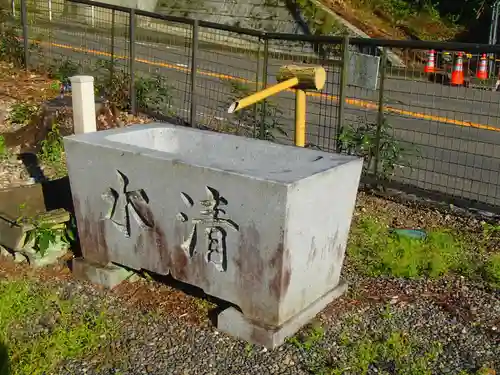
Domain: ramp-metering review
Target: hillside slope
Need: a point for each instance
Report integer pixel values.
(466, 20)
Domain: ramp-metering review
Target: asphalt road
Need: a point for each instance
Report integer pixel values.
(453, 129)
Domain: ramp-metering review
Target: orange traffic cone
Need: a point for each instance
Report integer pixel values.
(457, 76)
(482, 72)
(430, 67)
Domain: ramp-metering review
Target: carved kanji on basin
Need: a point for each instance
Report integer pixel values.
(124, 203)
(214, 228)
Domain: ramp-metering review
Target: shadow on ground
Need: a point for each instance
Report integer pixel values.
(4, 360)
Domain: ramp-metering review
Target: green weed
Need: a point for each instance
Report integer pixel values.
(52, 150)
(11, 48)
(3, 148)
(41, 330)
(394, 352)
(361, 140)
(46, 235)
(112, 83)
(492, 269)
(375, 251)
(154, 95)
(63, 69)
(22, 113)
(307, 340)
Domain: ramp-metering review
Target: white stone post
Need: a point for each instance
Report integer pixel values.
(82, 88)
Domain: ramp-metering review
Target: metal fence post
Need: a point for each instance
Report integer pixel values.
(194, 65)
(262, 133)
(256, 106)
(380, 115)
(24, 21)
(342, 90)
(133, 98)
(112, 67)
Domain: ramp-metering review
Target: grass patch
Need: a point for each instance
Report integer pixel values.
(393, 352)
(362, 352)
(374, 250)
(378, 345)
(492, 270)
(41, 329)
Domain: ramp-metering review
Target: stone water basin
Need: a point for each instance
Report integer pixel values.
(261, 225)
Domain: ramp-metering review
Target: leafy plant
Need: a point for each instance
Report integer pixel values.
(154, 94)
(22, 113)
(362, 141)
(111, 83)
(249, 121)
(47, 235)
(11, 48)
(62, 70)
(52, 147)
(49, 231)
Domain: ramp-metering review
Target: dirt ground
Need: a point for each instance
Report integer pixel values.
(40, 94)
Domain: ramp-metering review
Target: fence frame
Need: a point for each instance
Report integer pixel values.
(263, 55)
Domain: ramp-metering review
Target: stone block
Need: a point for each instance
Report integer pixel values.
(261, 225)
(108, 275)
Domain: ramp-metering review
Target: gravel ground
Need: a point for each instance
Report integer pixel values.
(164, 331)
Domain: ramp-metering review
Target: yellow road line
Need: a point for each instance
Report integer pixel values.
(355, 102)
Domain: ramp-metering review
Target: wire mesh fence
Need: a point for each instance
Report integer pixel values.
(415, 124)
(441, 129)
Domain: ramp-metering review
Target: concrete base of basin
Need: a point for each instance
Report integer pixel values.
(233, 322)
(108, 276)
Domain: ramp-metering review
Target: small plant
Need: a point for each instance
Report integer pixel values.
(362, 141)
(112, 84)
(51, 151)
(492, 269)
(491, 230)
(22, 113)
(309, 338)
(54, 228)
(62, 70)
(308, 343)
(52, 147)
(3, 148)
(263, 116)
(11, 48)
(47, 235)
(376, 352)
(154, 94)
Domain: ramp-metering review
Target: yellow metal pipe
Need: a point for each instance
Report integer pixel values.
(300, 118)
(262, 94)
